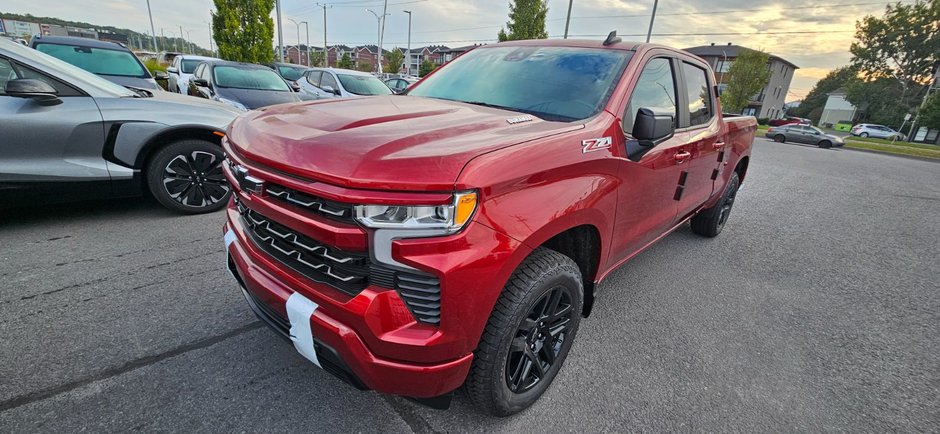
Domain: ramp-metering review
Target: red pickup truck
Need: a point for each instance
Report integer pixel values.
(456, 235)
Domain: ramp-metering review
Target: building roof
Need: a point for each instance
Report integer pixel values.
(728, 50)
(372, 49)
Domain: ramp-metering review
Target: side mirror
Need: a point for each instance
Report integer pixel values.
(40, 91)
(295, 86)
(200, 82)
(329, 89)
(172, 70)
(160, 75)
(650, 129)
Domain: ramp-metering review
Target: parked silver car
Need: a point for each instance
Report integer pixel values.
(876, 131)
(803, 134)
(342, 83)
(67, 134)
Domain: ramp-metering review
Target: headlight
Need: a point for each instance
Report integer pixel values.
(446, 218)
(235, 104)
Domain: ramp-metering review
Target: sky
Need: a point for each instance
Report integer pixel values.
(824, 30)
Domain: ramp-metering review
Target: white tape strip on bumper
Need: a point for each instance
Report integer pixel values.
(229, 239)
(299, 311)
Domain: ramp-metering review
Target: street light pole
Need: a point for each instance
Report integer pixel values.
(153, 31)
(298, 38)
(280, 32)
(382, 34)
(652, 18)
(408, 52)
(378, 57)
(326, 51)
(568, 20)
(307, 28)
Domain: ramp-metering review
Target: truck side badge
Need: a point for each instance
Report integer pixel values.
(519, 119)
(591, 145)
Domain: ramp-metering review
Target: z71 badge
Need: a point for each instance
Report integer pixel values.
(591, 145)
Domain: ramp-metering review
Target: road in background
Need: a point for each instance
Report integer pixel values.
(816, 309)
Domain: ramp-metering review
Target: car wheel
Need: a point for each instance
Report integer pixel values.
(187, 177)
(863, 135)
(779, 138)
(528, 335)
(825, 144)
(709, 222)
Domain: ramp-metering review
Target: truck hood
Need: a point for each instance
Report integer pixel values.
(385, 142)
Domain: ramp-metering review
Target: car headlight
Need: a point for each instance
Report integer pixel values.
(235, 104)
(445, 218)
(393, 222)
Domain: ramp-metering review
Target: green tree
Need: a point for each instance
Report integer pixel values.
(929, 114)
(316, 58)
(395, 58)
(903, 46)
(877, 100)
(243, 30)
(426, 67)
(526, 21)
(345, 62)
(816, 98)
(746, 77)
(365, 67)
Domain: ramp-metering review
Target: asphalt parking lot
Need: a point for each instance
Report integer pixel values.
(818, 309)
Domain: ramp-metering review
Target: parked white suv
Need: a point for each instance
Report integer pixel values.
(340, 83)
(181, 70)
(876, 131)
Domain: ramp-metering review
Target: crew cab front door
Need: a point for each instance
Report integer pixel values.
(703, 130)
(649, 175)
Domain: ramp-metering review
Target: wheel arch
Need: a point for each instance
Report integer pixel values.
(741, 167)
(170, 135)
(583, 245)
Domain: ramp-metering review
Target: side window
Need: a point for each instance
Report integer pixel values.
(6, 74)
(697, 89)
(328, 80)
(314, 78)
(655, 90)
(200, 70)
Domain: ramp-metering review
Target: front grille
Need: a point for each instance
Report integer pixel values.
(319, 206)
(345, 271)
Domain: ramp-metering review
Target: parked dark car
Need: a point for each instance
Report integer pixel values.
(400, 84)
(245, 86)
(804, 134)
(110, 60)
(67, 134)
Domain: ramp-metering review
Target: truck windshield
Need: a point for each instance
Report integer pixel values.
(552, 83)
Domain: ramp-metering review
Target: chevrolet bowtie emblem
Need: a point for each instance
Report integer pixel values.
(247, 182)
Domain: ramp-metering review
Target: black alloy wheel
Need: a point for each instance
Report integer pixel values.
(538, 340)
(187, 177)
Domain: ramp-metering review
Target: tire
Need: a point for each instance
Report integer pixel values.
(825, 144)
(863, 135)
(186, 177)
(519, 334)
(709, 222)
(779, 138)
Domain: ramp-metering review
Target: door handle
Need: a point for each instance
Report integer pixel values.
(718, 145)
(682, 156)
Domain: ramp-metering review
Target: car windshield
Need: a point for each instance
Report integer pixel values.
(97, 60)
(189, 65)
(291, 73)
(553, 83)
(363, 85)
(249, 78)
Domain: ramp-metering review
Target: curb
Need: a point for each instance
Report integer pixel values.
(909, 157)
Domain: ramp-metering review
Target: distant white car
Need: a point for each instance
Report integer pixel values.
(181, 70)
(340, 83)
(876, 131)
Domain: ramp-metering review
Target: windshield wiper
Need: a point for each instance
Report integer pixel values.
(140, 93)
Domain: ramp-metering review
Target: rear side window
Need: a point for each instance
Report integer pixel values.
(314, 78)
(700, 101)
(655, 90)
(328, 80)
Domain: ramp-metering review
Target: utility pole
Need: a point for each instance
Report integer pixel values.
(211, 50)
(408, 52)
(326, 51)
(182, 36)
(298, 38)
(378, 57)
(163, 39)
(652, 18)
(568, 20)
(153, 31)
(280, 32)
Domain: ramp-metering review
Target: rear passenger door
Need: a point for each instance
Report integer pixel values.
(698, 120)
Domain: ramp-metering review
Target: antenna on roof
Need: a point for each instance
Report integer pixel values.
(612, 39)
